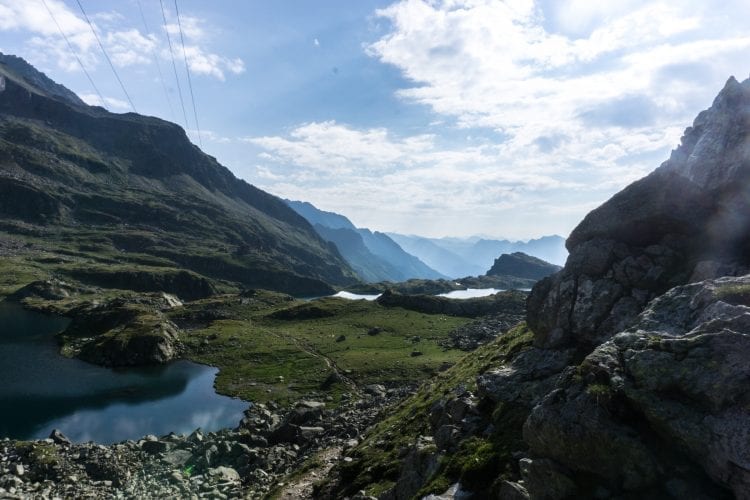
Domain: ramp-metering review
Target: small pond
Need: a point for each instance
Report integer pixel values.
(43, 390)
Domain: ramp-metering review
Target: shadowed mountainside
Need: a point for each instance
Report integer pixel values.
(132, 191)
(373, 255)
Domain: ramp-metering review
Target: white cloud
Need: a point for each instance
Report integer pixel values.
(109, 102)
(199, 60)
(582, 92)
(210, 135)
(328, 146)
(203, 63)
(316, 42)
(493, 64)
(130, 47)
(126, 45)
(374, 176)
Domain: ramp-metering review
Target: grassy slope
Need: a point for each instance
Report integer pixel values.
(378, 459)
(253, 347)
(81, 179)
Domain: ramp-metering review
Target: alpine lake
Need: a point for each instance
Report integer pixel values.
(42, 390)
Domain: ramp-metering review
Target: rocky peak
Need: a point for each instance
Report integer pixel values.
(686, 221)
(17, 69)
(714, 150)
(521, 265)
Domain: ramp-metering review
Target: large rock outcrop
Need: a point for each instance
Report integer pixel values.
(634, 383)
(688, 220)
(123, 331)
(662, 407)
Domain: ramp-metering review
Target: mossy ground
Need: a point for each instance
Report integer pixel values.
(262, 357)
(70, 254)
(378, 459)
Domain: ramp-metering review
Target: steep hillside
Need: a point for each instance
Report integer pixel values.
(381, 259)
(383, 246)
(631, 381)
(521, 265)
(316, 216)
(108, 192)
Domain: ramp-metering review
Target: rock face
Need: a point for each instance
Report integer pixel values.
(522, 265)
(659, 404)
(124, 331)
(51, 289)
(663, 404)
(689, 220)
(482, 330)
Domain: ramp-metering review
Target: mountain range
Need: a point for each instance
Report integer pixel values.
(126, 199)
(459, 257)
(372, 254)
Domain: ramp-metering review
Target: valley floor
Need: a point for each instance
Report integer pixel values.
(318, 373)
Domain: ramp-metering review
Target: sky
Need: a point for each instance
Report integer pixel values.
(439, 118)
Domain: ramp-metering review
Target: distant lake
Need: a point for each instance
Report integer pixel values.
(355, 296)
(42, 390)
(471, 293)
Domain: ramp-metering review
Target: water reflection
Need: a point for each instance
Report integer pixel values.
(87, 402)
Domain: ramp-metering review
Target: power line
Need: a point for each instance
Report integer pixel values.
(174, 66)
(187, 70)
(72, 50)
(106, 56)
(156, 60)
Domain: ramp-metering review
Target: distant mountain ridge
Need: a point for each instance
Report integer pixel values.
(129, 194)
(458, 257)
(374, 255)
(315, 215)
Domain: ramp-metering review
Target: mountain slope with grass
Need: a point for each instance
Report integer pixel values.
(85, 193)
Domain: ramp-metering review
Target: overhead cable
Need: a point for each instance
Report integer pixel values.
(156, 60)
(72, 50)
(187, 70)
(112, 66)
(174, 66)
